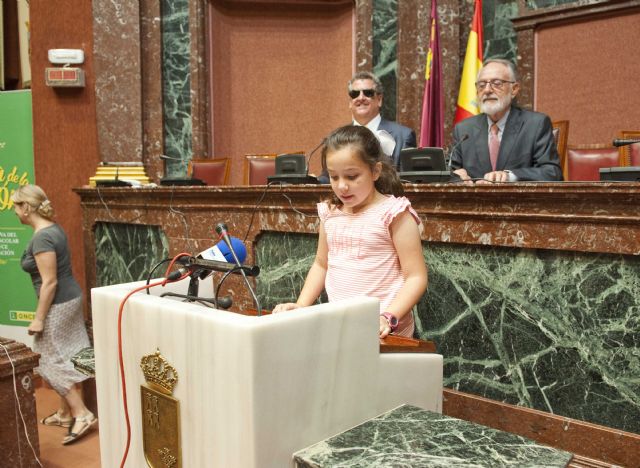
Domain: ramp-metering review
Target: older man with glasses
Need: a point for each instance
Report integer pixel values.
(504, 143)
(366, 93)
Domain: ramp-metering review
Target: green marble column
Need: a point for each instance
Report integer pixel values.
(176, 85)
(385, 57)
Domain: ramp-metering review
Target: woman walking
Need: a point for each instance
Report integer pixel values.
(58, 325)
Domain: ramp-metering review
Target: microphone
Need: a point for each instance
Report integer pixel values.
(222, 253)
(200, 265)
(624, 142)
(311, 154)
(165, 157)
(221, 229)
(464, 138)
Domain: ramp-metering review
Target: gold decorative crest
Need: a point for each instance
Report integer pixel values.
(159, 373)
(160, 413)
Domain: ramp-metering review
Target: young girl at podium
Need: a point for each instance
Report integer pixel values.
(369, 238)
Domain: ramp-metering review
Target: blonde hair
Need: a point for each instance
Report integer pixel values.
(35, 197)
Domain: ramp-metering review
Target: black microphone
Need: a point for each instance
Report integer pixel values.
(221, 229)
(464, 137)
(624, 142)
(197, 265)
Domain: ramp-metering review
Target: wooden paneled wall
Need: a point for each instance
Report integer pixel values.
(279, 77)
(592, 80)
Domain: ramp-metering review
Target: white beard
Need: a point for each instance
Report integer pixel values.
(495, 107)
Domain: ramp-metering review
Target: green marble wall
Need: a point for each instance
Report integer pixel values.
(555, 331)
(284, 260)
(127, 252)
(550, 330)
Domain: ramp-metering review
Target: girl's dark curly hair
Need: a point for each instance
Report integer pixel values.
(367, 146)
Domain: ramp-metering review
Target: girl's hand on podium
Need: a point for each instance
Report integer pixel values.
(285, 306)
(385, 328)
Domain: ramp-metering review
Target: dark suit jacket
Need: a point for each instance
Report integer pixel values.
(404, 136)
(527, 147)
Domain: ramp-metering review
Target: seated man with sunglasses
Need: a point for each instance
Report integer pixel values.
(365, 91)
(504, 143)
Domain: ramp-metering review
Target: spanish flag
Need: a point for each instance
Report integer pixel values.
(467, 97)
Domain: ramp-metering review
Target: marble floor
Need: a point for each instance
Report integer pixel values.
(84, 453)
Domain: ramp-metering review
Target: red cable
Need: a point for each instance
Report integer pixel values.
(120, 358)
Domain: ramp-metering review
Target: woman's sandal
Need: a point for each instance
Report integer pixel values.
(54, 419)
(87, 421)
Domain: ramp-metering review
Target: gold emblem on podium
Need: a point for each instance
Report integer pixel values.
(160, 413)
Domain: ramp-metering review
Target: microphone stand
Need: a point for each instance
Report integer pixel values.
(218, 304)
(453, 148)
(192, 292)
(221, 229)
(311, 154)
(194, 284)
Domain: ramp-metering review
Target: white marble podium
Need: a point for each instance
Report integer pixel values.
(252, 390)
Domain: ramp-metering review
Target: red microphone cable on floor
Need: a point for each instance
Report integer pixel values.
(120, 358)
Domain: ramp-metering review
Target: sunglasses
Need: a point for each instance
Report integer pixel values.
(354, 93)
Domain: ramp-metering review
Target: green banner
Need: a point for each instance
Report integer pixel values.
(18, 299)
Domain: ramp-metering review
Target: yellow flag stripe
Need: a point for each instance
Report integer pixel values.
(467, 98)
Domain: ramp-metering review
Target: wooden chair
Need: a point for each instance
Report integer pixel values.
(257, 167)
(210, 171)
(583, 161)
(630, 154)
(561, 135)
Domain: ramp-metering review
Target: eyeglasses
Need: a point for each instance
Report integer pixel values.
(354, 93)
(494, 84)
